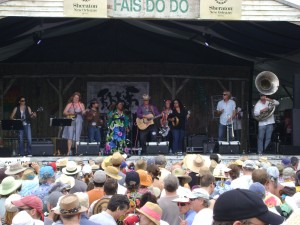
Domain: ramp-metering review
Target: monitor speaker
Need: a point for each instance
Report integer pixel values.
(42, 149)
(85, 148)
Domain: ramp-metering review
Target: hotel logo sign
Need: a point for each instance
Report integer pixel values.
(85, 8)
(221, 9)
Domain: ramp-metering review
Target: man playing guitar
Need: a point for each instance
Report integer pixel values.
(146, 113)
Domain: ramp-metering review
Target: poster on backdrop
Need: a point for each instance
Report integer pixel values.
(108, 93)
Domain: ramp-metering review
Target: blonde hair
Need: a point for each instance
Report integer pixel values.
(8, 217)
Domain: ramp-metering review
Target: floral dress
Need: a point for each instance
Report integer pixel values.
(116, 135)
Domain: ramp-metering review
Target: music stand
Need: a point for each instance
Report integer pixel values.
(60, 122)
(12, 125)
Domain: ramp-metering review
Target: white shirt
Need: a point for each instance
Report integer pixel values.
(258, 107)
(228, 107)
(181, 191)
(203, 217)
(103, 218)
(121, 189)
(243, 182)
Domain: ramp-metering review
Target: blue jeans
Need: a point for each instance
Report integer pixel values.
(94, 134)
(223, 132)
(26, 131)
(178, 137)
(264, 132)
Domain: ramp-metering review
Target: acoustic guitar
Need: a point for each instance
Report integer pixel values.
(144, 122)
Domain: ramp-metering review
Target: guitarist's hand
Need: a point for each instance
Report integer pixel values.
(33, 115)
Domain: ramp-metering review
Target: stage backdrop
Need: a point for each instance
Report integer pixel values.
(110, 92)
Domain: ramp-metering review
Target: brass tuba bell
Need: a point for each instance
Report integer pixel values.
(266, 83)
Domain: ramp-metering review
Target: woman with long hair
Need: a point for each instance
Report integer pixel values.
(75, 111)
(117, 127)
(178, 118)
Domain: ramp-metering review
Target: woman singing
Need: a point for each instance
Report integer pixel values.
(178, 118)
(74, 110)
(117, 128)
(24, 113)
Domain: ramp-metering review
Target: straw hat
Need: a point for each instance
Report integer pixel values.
(69, 205)
(146, 97)
(9, 185)
(220, 170)
(28, 174)
(62, 162)
(95, 167)
(112, 172)
(116, 159)
(178, 172)
(66, 180)
(238, 162)
(145, 178)
(106, 162)
(71, 168)
(152, 211)
(194, 162)
(14, 168)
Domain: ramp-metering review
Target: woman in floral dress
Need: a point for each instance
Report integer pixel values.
(117, 128)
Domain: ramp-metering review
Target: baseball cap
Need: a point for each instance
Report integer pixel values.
(46, 172)
(31, 201)
(286, 161)
(258, 189)
(132, 178)
(273, 172)
(249, 164)
(199, 193)
(240, 204)
(99, 176)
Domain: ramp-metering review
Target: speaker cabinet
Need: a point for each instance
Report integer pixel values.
(42, 149)
(86, 148)
(61, 146)
(209, 147)
(289, 150)
(197, 140)
(229, 148)
(154, 148)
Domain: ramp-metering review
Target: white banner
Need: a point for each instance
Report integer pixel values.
(108, 93)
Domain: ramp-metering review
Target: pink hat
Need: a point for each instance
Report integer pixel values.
(31, 201)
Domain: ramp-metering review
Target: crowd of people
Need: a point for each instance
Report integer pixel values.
(199, 190)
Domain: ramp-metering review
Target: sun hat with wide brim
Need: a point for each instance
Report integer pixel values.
(66, 180)
(194, 162)
(106, 162)
(69, 205)
(72, 168)
(180, 173)
(112, 172)
(14, 168)
(9, 185)
(152, 211)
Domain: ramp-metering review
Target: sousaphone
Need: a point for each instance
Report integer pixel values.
(266, 83)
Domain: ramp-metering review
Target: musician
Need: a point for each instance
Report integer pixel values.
(74, 110)
(147, 111)
(178, 117)
(265, 126)
(164, 122)
(118, 126)
(24, 113)
(226, 110)
(94, 121)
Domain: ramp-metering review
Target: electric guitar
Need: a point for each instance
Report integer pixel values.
(144, 122)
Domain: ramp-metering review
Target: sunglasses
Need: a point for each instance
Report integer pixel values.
(23, 100)
(21, 209)
(225, 94)
(181, 204)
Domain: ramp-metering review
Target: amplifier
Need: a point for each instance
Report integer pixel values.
(61, 146)
(232, 147)
(191, 150)
(197, 140)
(157, 147)
(42, 149)
(86, 148)
(209, 147)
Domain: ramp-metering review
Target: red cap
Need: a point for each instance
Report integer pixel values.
(32, 202)
(53, 165)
